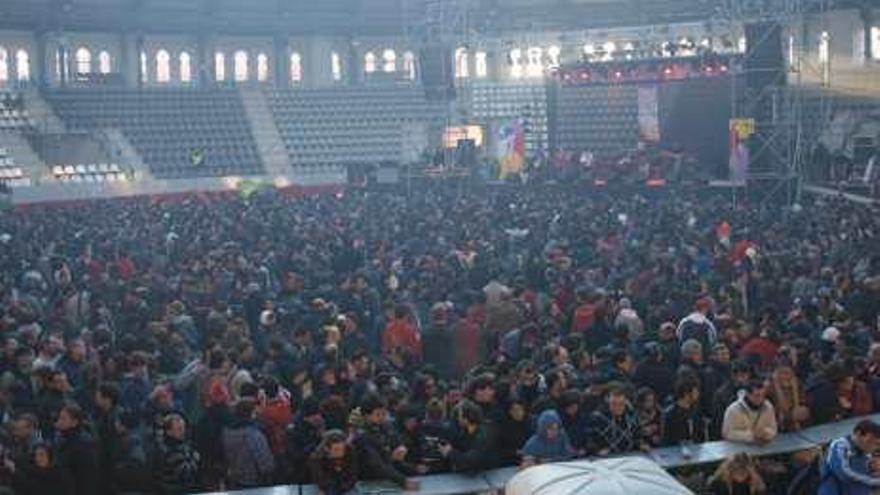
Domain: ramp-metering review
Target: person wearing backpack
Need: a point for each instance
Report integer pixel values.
(850, 467)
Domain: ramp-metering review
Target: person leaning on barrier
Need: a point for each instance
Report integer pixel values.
(751, 418)
(851, 466)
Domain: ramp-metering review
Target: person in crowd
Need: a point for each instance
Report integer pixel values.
(178, 463)
(76, 450)
(302, 439)
(650, 417)
(246, 451)
(737, 476)
(615, 428)
(475, 446)
(850, 466)
(788, 398)
(517, 427)
(698, 326)
(196, 305)
(380, 451)
(549, 443)
(740, 377)
(40, 475)
(751, 418)
(333, 466)
(683, 421)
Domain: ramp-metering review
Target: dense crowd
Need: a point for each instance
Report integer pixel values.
(217, 342)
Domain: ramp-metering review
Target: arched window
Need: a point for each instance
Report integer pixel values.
(262, 67)
(296, 69)
(370, 62)
(83, 60)
(185, 67)
(535, 66)
(336, 66)
(553, 56)
(4, 65)
(240, 66)
(481, 64)
(516, 63)
(104, 65)
(163, 66)
(23, 64)
(825, 57)
(461, 63)
(389, 58)
(219, 66)
(409, 65)
(145, 74)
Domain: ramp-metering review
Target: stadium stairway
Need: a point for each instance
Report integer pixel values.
(24, 156)
(42, 114)
(269, 144)
(121, 150)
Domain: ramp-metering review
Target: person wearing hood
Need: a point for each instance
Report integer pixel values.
(751, 418)
(628, 317)
(302, 439)
(549, 443)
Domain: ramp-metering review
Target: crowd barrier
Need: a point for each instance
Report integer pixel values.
(668, 457)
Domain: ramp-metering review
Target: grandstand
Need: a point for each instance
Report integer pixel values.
(443, 247)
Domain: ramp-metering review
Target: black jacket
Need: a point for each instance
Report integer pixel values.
(31, 480)
(683, 425)
(477, 452)
(77, 453)
(374, 446)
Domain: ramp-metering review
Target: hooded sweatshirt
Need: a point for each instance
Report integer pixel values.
(543, 448)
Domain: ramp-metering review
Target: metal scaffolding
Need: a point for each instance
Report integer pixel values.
(784, 106)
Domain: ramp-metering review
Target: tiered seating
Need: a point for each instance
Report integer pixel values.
(93, 172)
(13, 115)
(602, 119)
(341, 126)
(169, 126)
(10, 173)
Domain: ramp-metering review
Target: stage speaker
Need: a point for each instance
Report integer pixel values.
(764, 63)
(437, 72)
(466, 153)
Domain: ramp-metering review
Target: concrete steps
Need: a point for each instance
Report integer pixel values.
(273, 153)
(25, 157)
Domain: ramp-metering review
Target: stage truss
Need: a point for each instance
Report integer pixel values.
(783, 110)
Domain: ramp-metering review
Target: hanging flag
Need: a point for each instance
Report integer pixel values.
(511, 148)
(740, 132)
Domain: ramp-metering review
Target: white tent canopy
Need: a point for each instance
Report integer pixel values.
(620, 476)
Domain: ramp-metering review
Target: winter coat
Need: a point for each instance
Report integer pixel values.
(334, 477)
(77, 453)
(618, 435)
(544, 449)
(248, 458)
(477, 452)
(178, 466)
(31, 480)
(683, 425)
(741, 421)
(696, 326)
(374, 445)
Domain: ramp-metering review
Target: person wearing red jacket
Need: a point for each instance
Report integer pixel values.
(402, 333)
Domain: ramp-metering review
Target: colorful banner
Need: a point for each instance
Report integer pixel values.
(649, 114)
(511, 148)
(740, 132)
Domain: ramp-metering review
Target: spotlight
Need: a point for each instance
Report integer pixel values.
(723, 68)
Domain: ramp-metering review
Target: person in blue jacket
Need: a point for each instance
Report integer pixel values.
(849, 468)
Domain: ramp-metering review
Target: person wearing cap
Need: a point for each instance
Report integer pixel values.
(849, 467)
